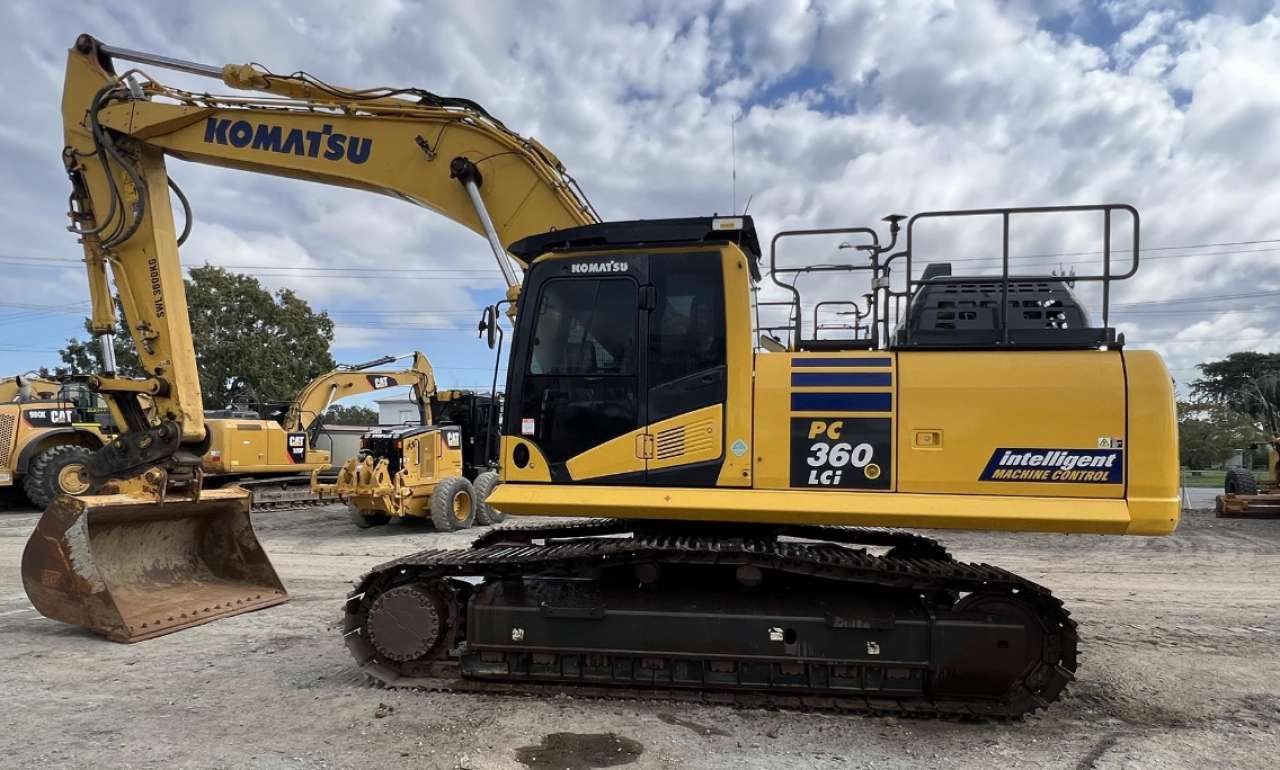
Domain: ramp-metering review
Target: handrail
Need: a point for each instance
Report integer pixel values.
(775, 271)
(1006, 215)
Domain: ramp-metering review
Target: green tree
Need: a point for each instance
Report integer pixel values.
(1248, 383)
(246, 339)
(350, 415)
(1209, 433)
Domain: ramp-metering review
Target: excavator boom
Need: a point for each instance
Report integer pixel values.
(345, 382)
(93, 561)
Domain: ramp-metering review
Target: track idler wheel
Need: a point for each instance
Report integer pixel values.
(402, 630)
(405, 623)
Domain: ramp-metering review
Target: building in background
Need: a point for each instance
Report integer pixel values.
(342, 441)
(400, 410)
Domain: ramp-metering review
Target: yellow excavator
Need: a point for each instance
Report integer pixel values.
(739, 495)
(271, 449)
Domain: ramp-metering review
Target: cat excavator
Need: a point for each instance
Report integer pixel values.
(271, 449)
(740, 501)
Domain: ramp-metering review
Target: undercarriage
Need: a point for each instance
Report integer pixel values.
(788, 616)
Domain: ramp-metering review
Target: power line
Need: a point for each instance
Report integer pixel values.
(25, 349)
(1219, 311)
(1198, 298)
(1122, 253)
(37, 261)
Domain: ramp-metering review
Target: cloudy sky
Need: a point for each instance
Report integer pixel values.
(837, 113)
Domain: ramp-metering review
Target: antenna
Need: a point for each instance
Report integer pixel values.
(733, 163)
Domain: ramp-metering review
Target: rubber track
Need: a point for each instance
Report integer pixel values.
(829, 561)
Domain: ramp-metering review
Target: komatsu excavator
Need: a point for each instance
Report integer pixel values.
(738, 496)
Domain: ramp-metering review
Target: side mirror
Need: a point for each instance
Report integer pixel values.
(488, 327)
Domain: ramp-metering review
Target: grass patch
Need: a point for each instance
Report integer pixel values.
(1208, 478)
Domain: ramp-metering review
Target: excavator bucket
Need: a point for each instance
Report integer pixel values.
(132, 569)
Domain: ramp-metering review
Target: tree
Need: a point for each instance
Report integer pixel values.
(246, 339)
(1248, 383)
(350, 415)
(1208, 433)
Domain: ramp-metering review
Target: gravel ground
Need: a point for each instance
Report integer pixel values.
(1179, 669)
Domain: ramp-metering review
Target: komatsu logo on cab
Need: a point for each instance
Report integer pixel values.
(1056, 466)
(612, 266)
(325, 143)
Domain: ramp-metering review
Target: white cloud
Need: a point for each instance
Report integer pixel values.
(849, 110)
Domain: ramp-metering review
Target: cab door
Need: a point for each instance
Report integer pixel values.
(685, 373)
(580, 398)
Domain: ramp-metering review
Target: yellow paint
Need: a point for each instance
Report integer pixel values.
(693, 437)
(702, 442)
(1152, 446)
(985, 400)
(736, 470)
(615, 456)
(526, 192)
(537, 470)
(871, 509)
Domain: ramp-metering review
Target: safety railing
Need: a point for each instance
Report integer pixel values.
(899, 303)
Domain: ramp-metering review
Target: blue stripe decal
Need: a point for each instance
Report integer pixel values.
(841, 402)
(886, 362)
(839, 379)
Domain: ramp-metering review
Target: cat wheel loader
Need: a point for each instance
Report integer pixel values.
(741, 506)
(48, 429)
(442, 472)
(271, 449)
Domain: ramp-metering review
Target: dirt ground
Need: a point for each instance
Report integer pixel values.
(1179, 669)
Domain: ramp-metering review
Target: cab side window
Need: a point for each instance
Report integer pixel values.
(686, 350)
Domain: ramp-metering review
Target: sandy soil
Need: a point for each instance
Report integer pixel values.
(1180, 669)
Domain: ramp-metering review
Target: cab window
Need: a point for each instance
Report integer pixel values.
(586, 327)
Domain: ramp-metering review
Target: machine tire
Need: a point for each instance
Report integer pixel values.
(49, 471)
(366, 520)
(453, 504)
(484, 484)
(1240, 481)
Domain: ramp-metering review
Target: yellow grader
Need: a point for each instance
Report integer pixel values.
(442, 472)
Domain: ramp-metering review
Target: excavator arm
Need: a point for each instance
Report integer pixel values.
(345, 382)
(447, 155)
(160, 554)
